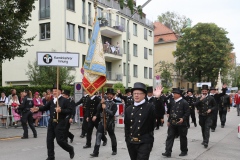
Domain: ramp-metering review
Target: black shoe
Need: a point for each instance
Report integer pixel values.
(104, 143)
(222, 126)
(86, 146)
(114, 153)
(50, 159)
(205, 145)
(183, 154)
(166, 154)
(82, 136)
(157, 128)
(195, 124)
(94, 155)
(24, 137)
(213, 130)
(72, 154)
(34, 136)
(71, 140)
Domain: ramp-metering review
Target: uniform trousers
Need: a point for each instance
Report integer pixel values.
(84, 125)
(100, 132)
(173, 130)
(91, 125)
(223, 115)
(205, 122)
(214, 119)
(59, 131)
(139, 151)
(27, 118)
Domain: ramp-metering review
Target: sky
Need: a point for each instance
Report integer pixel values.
(224, 13)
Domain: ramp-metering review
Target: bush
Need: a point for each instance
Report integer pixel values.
(33, 89)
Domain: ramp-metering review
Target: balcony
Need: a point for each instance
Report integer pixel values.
(90, 21)
(111, 28)
(113, 76)
(112, 53)
(84, 19)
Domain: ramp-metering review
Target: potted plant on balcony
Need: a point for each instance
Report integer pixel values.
(104, 21)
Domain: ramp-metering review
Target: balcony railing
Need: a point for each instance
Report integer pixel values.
(111, 23)
(113, 76)
(112, 49)
(126, 11)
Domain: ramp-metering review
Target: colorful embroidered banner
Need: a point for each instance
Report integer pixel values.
(94, 66)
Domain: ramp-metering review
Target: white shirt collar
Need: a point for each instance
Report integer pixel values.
(85, 95)
(211, 94)
(177, 100)
(55, 99)
(139, 103)
(149, 97)
(93, 97)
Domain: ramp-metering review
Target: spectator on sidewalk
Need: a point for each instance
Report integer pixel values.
(37, 101)
(14, 103)
(237, 101)
(3, 108)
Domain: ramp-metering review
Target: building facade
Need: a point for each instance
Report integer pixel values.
(165, 43)
(66, 26)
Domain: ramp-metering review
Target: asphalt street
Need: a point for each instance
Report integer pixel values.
(224, 144)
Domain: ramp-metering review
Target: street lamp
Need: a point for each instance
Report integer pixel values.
(127, 38)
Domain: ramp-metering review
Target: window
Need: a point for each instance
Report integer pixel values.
(81, 34)
(123, 23)
(99, 12)
(89, 35)
(71, 4)
(150, 73)
(124, 69)
(150, 33)
(83, 59)
(145, 33)
(145, 53)
(117, 20)
(135, 70)
(134, 29)
(145, 72)
(135, 50)
(45, 31)
(89, 14)
(84, 17)
(150, 52)
(124, 46)
(44, 9)
(70, 31)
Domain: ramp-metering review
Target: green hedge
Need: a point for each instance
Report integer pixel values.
(34, 89)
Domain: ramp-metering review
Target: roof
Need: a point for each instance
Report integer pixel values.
(163, 34)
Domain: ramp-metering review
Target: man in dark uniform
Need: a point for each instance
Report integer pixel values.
(158, 104)
(25, 107)
(83, 101)
(191, 99)
(110, 108)
(216, 97)
(139, 123)
(177, 123)
(66, 94)
(169, 99)
(59, 108)
(128, 99)
(224, 107)
(93, 120)
(205, 107)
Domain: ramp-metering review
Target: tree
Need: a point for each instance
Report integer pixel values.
(202, 51)
(174, 21)
(235, 76)
(130, 4)
(47, 75)
(14, 17)
(119, 86)
(0, 74)
(166, 71)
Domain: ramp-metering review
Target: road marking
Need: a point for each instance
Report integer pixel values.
(9, 138)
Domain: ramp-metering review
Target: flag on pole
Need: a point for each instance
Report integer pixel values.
(94, 65)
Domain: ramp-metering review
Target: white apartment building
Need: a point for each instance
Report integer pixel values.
(66, 26)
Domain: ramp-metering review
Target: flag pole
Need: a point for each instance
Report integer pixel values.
(57, 89)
